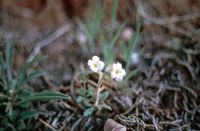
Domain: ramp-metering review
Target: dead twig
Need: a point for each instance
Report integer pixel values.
(155, 124)
(138, 102)
(61, 31)
(168, 22)
(47, 125)
(73, 128)
(173, 123)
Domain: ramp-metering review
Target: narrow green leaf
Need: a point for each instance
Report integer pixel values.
(35, 74)
(29, 114)
(135, 35)
(86, 31)
(45, 96)
(133, 42)
(3, 96)
(22, 72)
(12, 84)
(37, 59)
(117, 35)
(124, 50)
(11, 126)
(115, 4)
(1, 65)
(21, 125)
(13, 115)
(27, 65)
(2, 84)
(9, 57)
(3, 80)
(23, 80)
(132, 74)
(26, 93)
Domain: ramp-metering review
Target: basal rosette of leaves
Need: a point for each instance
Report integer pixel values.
(16, 95)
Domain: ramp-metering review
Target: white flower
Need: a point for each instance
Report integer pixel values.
(117, 72)
(95, 64)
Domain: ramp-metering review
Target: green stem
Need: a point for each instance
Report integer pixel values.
(99, 88)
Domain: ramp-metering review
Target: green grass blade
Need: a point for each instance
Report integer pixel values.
(9, 58)
(132, 74)
(34, 75)
(2, 66)
(135, 35)
(125, 50)
(115, 4)
(133, 42)
(27, 65)
(86, 31)
(117, 35)
(29, 114)
(22, 72)
(45, 96)
(23, 79)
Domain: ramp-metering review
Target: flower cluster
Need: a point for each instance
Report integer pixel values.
(117, 72)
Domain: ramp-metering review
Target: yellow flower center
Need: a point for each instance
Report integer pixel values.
(117, 71)
(95, 65)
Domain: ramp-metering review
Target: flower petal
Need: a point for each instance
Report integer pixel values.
(119, 65)
(119, 78)
(123, 72)
(95, 58)
(101, 65)
(90, 63)
(114, 67)
(113, 74)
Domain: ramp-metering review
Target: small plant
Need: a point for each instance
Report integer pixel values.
(104, 40)
(87, 96)
(16, 95)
